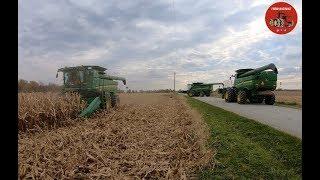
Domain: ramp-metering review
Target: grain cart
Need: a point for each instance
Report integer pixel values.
(254, 85)
(200, 89)
(94, 86)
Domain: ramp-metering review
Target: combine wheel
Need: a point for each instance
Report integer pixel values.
(256, 100)
(106, 103)
(242, 97)
(229, 95)
(270, 100)
(114, 100)
(118, 101)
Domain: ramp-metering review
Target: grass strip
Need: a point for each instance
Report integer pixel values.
(247, 149)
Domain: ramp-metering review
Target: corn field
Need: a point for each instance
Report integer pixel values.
(39, 110)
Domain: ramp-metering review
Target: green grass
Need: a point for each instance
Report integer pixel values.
(247, 149)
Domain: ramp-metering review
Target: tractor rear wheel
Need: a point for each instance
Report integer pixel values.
(270, 100)
(242, 97)
(230, 95)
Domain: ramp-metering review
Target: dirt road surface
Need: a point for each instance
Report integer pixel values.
(288, 120)
(149, 136)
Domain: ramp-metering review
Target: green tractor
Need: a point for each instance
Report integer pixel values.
(201, 89)
(256, 85)
(94, 86)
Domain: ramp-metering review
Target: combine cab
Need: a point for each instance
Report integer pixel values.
(95, 87)
(256, 85)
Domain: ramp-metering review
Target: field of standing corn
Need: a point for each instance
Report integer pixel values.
(37, 111)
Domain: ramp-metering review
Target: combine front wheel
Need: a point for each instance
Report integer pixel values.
(256, 100)
(229, 95)
(114, 100)
(270, 100)
(190, 94)
(242, 97)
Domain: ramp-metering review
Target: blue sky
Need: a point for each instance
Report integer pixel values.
(146, 41)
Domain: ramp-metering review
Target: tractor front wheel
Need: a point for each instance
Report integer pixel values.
(270, 100)
(242, 97)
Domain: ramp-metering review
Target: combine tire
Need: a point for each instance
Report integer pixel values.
(229, 95)
(106, 103)
(270, 100)
(114, 100)
(190, 94)
(242, 97)
(256, 100)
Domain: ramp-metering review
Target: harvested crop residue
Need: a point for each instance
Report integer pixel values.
(160, 139)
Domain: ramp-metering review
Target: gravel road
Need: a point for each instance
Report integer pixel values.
(288, 120)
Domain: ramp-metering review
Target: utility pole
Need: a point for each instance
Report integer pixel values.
(174, 81)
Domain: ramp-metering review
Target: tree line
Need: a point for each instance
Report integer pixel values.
(34, 86)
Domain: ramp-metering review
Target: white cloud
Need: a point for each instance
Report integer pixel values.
(142, 41)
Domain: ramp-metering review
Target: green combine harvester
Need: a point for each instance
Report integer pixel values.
(94, 86)
(201, 89)
(254, 85)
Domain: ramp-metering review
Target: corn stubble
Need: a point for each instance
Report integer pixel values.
(39, 111)
(163, 140)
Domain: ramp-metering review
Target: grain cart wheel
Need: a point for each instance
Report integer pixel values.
(229, 95)
(242, 97)
(270, 100)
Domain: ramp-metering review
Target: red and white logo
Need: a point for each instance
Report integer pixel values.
(281, 18)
